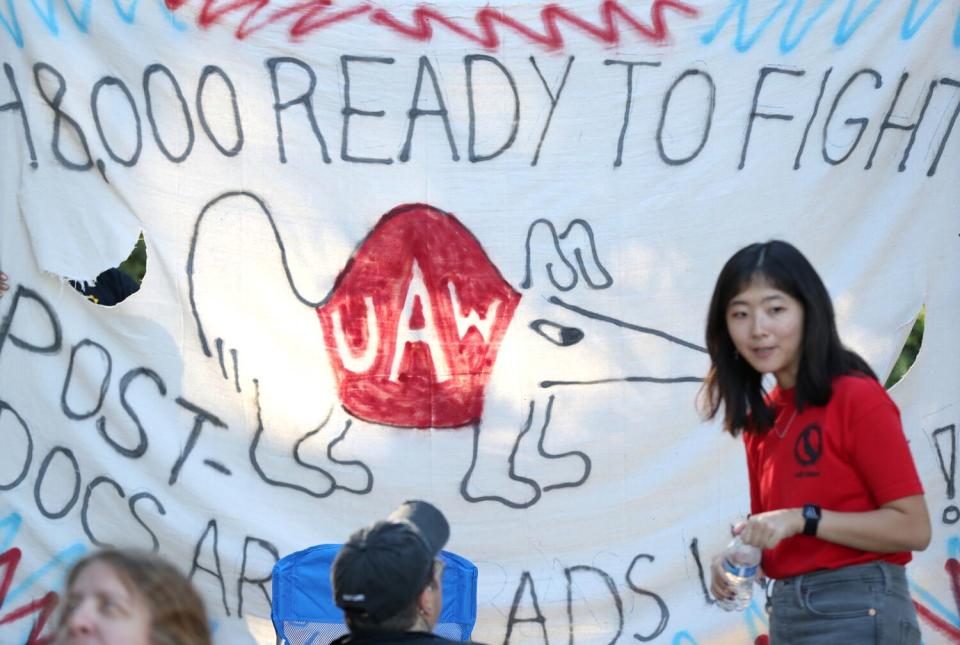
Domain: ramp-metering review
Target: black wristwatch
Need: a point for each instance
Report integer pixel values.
(811, 519)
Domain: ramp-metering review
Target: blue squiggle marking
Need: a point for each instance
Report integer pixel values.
(172, 19)
(785, 44)
(738, 10)
(83, 20)
(12, 26)
(62, 561)
(843, 32)
(11, 526)
(740, 43)
(9, 529)
(956, 32)
(80, 13)
(752, 616)
(953, 547)
(932, 600)
(66, 557)
(49, 18)
(683, 637)
(910, 27)
(128, 14)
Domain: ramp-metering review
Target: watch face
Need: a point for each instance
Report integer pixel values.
(811, 512)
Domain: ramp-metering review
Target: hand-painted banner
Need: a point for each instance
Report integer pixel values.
(459, 252)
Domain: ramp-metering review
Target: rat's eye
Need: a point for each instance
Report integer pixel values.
(557, 334)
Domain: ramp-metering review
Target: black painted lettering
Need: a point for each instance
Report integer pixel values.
(861, 121)
(200, 417)
(261, 581)
(469, 62)
(350, 111)
(125, 381)
(887, 124)
(7, 442)
(755, 112)
(946, 135)
(59, 117)
(106, 362)
(611, 586)
(160, 509)
(17, 104)
(42, 476)
(148, 74)
(913, 131)
(711, 106)
(695, 552)
(661, 605)
(331, 484)
(217, 571)
(416, 111)
(305, 99)
(554, 99)
(85, 508)
(629, 103)
(53, 346)
(111, 81)
(208, 71)
(813, 115)
(538, 617)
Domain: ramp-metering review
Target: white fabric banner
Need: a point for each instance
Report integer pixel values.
(459, 252)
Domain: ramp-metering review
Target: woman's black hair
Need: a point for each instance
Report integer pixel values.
(731, 381)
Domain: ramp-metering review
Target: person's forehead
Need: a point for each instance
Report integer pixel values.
(100, 577)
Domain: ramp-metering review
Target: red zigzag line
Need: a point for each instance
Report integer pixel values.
(487, 19)
(10, 559)
(209, 15)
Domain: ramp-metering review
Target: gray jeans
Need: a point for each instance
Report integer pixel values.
(860, 604)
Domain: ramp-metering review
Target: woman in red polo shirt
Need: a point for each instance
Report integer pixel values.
(836, 503)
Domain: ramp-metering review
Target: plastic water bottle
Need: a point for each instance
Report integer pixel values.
(741, 562)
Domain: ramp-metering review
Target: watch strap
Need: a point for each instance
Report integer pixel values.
(811, 519)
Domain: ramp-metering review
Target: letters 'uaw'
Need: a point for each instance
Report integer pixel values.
(415, 320)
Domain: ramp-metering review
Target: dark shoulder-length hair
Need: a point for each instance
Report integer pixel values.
(731, 381)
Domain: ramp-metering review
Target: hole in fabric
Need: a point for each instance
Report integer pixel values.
(909, 352)
(116, 284)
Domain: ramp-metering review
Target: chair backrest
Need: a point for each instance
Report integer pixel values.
(304, 613)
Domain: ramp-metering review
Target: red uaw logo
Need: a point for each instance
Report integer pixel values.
(415, 320)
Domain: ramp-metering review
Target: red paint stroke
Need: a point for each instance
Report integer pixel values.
(487, 19)
(937, 622)
(307, 12)
(763, 639)
(314, 15)
(415, 321)
(952, 567)
(9, 560)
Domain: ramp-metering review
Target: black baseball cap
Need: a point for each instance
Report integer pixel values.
(383, 568)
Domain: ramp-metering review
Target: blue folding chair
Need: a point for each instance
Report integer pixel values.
(304, 613)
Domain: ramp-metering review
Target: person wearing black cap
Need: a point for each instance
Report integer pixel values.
(386, 578)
